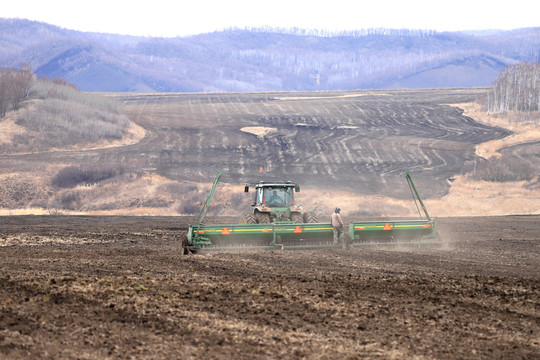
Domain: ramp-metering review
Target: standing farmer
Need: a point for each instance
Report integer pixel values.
(337, 224)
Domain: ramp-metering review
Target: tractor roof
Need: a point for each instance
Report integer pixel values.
(275, 184)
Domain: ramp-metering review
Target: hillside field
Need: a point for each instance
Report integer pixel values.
(349, 149)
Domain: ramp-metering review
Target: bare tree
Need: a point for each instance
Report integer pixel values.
(516, 88)
(15, 87)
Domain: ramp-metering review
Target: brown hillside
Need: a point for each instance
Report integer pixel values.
(346, 148)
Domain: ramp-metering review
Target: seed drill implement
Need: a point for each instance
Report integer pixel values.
(277, 222)
(416, 231)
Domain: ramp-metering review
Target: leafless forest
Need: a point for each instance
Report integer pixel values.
(14, 87)
(517, 88)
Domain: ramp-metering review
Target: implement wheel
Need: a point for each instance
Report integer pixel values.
(345, 241)
(185, 244)
(310, 218)
(248, 218)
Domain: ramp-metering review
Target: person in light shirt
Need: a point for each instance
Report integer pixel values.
(337, 224)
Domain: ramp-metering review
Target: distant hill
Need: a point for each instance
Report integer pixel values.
(265, 59)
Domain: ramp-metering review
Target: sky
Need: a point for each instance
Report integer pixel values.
(162, 18)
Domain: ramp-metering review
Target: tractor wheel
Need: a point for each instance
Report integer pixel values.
(297, 218)
(248, 218)
(262, 218)
(310, 218)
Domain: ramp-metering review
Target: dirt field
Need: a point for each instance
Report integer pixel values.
(118, 288)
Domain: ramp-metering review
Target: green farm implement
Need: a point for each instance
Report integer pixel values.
(288, 227)
(418, 231)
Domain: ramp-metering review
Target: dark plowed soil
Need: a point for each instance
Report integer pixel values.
(118, 287)
(355, 141)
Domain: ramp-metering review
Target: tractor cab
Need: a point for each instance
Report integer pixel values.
(274, 195)
(274, 202)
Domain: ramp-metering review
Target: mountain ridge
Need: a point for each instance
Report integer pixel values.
(240, 60)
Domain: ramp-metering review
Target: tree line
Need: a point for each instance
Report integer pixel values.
(336, 33)
(517, 88)
(15, 87)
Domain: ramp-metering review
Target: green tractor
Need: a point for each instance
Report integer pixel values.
(274, 202)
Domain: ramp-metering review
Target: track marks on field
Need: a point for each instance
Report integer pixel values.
(350, 140)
